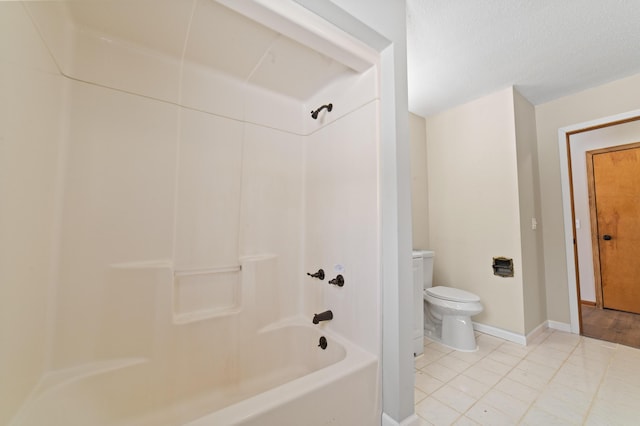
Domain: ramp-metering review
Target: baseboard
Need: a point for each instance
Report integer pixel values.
(537, 331)
(587, 302)
(499, 332)
(560, 326)
(519, 338)
(412, 420)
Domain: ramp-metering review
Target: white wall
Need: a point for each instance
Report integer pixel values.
(389, 20)
(138, 167)
(419, 182)
(32, 106)
(118, 204)
(474, 204)
(341, 225)
(610, 99)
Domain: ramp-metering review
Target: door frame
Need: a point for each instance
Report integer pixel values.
(593, 215)
(571, 254)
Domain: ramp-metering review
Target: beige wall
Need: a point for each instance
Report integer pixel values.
(613, 98)
(474, 204)
(545, 288)
(534, 302)
(31, 95)
(419, 183)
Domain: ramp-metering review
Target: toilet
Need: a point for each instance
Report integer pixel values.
(422, 276)
(447, 314)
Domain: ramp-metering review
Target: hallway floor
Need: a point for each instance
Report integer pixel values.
(612, 326)
(558, 379)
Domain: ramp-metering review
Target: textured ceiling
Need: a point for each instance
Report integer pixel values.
(460, 50)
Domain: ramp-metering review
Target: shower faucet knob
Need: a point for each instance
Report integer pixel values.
(319, 275)
(339, 281)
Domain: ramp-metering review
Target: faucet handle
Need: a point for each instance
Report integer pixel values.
(339, 281)
(319, 274)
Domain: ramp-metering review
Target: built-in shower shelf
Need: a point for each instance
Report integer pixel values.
(205, 293)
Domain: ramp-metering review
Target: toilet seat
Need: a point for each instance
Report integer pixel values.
(452, 294)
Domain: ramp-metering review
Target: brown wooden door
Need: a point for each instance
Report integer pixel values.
(617, 196)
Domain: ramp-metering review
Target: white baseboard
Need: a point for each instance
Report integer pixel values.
(498, 332)
(519, 338)
(412, 420)
(537, 331)
(561, 326)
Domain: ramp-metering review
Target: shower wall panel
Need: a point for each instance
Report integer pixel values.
(118, 204)
(342, 222)
(142, 166)
(31, 145)
(272, 207)
(208, 193)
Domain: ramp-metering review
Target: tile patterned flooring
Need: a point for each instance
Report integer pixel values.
(558, 379)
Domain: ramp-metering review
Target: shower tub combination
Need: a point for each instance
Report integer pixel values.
(189, 190)
(281, 376)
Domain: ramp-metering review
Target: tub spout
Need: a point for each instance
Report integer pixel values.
(323, 316)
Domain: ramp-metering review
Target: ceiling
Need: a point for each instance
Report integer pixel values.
(460, 50)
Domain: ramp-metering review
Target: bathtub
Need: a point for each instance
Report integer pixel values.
(281, 377)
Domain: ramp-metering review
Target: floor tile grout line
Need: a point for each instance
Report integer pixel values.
(519, 420)
(504, 375)
(604, 374)
(578, 358)
(542, 391)
(491, 387)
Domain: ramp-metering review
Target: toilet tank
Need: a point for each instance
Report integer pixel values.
(427, 267)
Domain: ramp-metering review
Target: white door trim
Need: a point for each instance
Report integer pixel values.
(566, 206)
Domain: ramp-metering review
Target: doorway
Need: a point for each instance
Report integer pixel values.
(579, 234)
(613, 175)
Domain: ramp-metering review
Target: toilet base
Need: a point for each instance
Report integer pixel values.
(455, 332)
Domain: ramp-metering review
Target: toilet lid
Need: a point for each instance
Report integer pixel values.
(453, 294)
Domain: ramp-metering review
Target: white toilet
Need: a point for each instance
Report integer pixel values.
(422, 276)
(447, 315)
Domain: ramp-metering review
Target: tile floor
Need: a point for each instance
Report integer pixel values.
(558, 379)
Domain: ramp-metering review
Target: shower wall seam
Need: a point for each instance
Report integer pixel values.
(56, 240)
(190, 108)
(179, 104)
(303, 230)
(176, 179)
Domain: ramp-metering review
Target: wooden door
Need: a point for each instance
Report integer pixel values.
(616, 180)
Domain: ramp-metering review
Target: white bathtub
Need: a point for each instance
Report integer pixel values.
(281, 378)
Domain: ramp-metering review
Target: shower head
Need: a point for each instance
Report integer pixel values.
(314, 114)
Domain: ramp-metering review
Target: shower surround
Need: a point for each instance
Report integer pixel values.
(168, 204)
